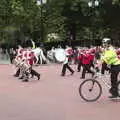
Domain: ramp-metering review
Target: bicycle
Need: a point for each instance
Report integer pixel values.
(93, 85)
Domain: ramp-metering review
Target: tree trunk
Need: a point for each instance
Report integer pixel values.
(72, 33)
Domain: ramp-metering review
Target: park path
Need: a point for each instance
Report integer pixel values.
(52, 98)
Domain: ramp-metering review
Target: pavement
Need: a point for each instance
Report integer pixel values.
(52, 98)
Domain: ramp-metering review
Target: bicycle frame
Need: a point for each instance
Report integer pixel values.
(104, 81)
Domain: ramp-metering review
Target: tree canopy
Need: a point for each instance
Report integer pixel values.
(70, 20)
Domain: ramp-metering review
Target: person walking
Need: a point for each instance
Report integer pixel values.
(68, 52)
(110, 58)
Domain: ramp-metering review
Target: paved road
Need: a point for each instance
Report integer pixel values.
(51, 98)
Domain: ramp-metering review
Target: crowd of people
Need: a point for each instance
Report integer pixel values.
(100, 59)
(89, 59)
(24, 61)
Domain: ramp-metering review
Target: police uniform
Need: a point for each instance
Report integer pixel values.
(110, 58)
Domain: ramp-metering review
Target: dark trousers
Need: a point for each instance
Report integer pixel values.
(34, 73)
(11, 58)
(66, 66)
(17, 72)
(86, 68)
(92, 64)
(104, 68)
(79, 65)
(115, 69)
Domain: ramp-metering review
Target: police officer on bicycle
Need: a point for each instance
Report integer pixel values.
(109, 56)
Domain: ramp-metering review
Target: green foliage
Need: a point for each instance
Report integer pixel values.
(69, 19)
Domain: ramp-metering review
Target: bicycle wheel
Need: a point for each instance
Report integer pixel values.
(90, 90)
(118, 84)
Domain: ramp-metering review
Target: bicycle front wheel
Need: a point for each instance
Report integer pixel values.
(90, 90)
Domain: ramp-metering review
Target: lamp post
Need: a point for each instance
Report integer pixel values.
(93, 4)
(41, 3)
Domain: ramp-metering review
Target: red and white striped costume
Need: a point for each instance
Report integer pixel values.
(18, 57)
(28, 57)
(19, 53)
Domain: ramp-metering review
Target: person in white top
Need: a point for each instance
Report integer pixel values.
(68, 52)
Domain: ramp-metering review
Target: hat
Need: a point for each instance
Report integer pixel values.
(28, 43)
(106, 40)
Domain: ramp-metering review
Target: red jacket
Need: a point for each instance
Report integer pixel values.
(91, 57)
(30, 57)
(19, 53)
(86, 59)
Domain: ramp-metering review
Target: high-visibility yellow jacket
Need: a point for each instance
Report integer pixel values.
(109, 56)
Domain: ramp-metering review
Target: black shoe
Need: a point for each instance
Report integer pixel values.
(72, 73)
(38, 77)
(21, 77)
(16, 75)
(82, 77)
(110, 91)
(114, 93)
(93, 74)
(26, 80)
(62, 75)
(32, 76)
(113, 96)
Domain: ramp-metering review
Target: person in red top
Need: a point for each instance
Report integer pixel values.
(30, 62)
(69, 50)
(18, 59)
(91, 57)
(86, 64)
(19, 52)
(28, 59)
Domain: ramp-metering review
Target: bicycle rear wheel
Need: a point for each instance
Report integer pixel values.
(90, 90)
(118, 85)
